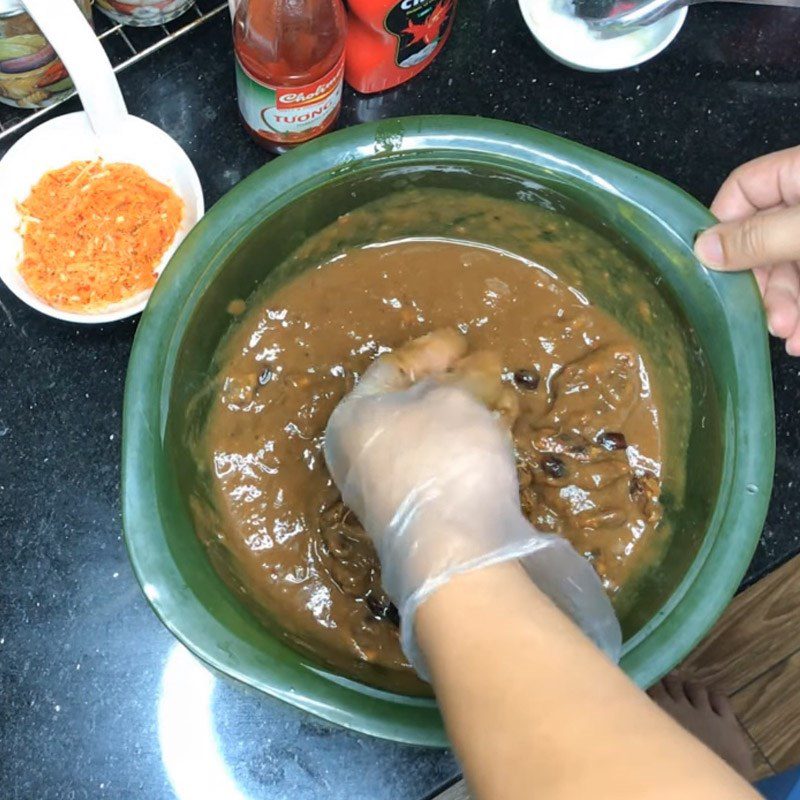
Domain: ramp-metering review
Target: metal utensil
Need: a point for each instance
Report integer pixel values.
(613, 18)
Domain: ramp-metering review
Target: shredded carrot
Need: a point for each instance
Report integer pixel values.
(93, 233)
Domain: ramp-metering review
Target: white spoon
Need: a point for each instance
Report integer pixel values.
(104, 130)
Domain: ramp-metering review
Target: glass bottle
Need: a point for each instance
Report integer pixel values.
(144, 13)
(289, 68)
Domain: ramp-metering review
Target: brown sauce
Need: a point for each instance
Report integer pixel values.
(589, 431)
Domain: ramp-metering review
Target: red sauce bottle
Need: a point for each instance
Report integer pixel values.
(289, 68)
(391, 41)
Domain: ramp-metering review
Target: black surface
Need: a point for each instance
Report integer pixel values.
(84, 665)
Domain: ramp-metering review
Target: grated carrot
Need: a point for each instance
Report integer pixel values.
(93, 233)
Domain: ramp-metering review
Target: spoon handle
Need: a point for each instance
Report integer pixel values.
(65, 27)
(653, 10)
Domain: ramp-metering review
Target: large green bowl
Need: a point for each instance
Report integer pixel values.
(258, 224)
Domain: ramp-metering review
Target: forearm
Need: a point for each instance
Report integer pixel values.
(532, 707)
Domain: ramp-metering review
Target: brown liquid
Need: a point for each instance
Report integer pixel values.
(279, 532)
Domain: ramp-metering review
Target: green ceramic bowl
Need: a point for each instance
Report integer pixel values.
(236, 247)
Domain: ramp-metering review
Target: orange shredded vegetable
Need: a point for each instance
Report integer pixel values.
(93, 233)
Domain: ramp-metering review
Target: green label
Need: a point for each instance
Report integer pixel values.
(254, 99)
(290, 110)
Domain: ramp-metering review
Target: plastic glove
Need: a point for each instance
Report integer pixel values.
(429, 471)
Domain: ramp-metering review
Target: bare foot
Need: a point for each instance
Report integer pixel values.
(708, 715)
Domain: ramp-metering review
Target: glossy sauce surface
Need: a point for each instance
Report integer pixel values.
(589, 433)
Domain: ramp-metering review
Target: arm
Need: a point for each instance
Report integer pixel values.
(533, 707)
(535, 710)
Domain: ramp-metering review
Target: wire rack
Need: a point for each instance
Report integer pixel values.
(124, 46)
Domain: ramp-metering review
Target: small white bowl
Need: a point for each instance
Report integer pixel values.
(69, 138)
(618, 53)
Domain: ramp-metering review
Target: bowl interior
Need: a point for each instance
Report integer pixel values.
(264, 262)
(242, 245)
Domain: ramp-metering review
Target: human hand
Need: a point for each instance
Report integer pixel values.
(759, 210)
(429, 471)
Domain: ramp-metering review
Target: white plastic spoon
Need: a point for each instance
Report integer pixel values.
(104, 130)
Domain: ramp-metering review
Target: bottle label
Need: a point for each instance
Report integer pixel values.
(279, 111)
(420, 27)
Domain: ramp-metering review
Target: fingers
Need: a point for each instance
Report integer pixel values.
(781, 297)
(507, 406)
(431, 354)
(760, 240)
(441, 353)
(759, 210)
(793, 342)
(781, 291)
(480, 374)
(767, 182)
(761, 274)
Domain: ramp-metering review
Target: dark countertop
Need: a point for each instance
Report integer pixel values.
(98, 700)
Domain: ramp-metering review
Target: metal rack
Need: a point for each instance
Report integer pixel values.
(124, 46)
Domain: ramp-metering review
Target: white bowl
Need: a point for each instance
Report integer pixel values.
(618, 53)
(69, 138)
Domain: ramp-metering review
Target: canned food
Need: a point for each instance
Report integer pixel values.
(143, 13)
(31, 74)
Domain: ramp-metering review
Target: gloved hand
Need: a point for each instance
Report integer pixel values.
(429, 471)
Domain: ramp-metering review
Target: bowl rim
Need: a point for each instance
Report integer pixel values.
(677, 18)
(694, 605)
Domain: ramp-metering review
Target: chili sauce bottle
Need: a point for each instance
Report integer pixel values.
(391, 41)
(289, 68)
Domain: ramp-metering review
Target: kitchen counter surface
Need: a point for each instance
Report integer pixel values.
(98, 700)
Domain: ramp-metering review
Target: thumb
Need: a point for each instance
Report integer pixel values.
(766, 238)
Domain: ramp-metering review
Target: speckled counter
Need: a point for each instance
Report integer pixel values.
(96, 698)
